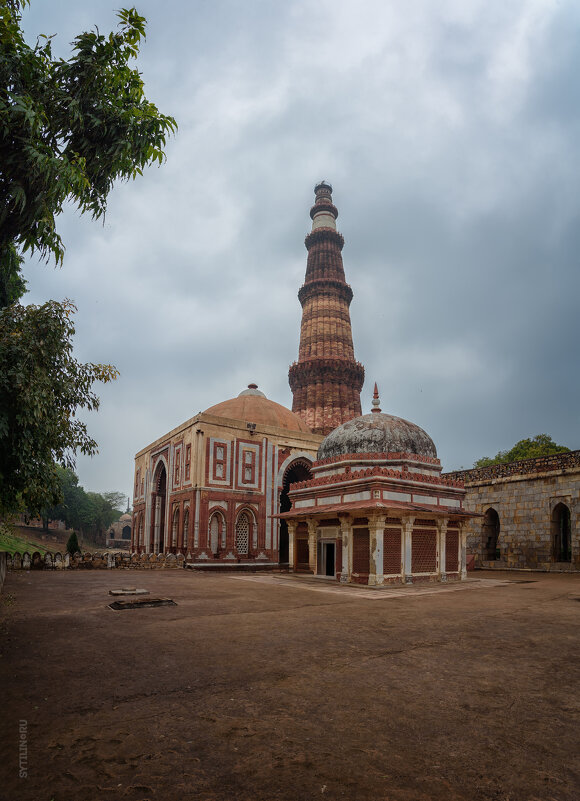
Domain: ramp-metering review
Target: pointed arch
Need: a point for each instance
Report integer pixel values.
(175, 529)
(297, 468)
(185, 539)
(490, 529)
(216, 531)
(158, 500)
(561, 533)
(246, 531)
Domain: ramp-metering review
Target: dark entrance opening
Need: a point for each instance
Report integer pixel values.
(158, 509)
(298, 471)
(329, 558)
(490, 535)
(562, 552)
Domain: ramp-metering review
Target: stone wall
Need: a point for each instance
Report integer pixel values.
(89, 561)
(525, 495)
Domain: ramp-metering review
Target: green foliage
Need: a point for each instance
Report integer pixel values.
(13, 539)
(72, 544)
(89, 512)
(41, 388)
(540, 445)
(68, 130)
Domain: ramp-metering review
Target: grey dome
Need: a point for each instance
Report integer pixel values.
(377, 433)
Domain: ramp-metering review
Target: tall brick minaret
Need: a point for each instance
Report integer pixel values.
(326, 380)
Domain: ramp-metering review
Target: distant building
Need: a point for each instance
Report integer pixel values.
(119, 533)
(530, 513)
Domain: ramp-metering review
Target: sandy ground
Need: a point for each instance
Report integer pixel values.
(273, 687)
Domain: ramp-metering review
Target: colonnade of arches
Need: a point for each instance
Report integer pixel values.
(243, 540)
(560, 530)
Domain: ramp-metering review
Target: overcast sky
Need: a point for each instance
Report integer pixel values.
(450, 134)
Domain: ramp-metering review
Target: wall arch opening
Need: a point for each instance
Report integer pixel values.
(216, 535)
(297, 471)
(158, 496)
(561, 539)
(490, 535)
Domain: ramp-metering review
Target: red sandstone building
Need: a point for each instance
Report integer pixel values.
(248, 481)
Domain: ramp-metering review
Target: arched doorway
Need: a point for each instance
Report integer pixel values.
(297, 471)
(490, 535)
(561, 545)
(157, 534)
(216, 536)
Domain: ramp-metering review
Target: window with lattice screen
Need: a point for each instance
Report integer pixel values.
(424, 551)
(242, 534)
(392, 552)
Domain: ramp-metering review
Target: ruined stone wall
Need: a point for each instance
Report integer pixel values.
(524, 495)
(92, 561)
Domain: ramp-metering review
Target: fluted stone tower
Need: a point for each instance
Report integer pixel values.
(326, 380)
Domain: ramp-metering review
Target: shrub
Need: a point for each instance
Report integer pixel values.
(72, 545)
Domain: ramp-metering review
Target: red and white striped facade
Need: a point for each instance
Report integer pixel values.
(210, 488)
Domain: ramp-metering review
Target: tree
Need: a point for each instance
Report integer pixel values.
(88, 512)
(41, 388)
(540, 445)
(72, 544)
(68, 130)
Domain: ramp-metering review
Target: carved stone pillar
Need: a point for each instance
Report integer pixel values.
(376, 532)
(346, 534)
(441, 547)
(291, 544)
(312, 550)
(408, 548)
(462, 549)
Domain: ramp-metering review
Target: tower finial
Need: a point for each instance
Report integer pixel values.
(324, 212)
(376, 400)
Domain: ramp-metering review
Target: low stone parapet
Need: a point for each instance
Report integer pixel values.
(90, 561)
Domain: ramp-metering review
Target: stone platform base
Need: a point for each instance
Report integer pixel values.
(236, 567)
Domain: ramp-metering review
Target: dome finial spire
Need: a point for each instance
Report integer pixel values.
(376, 399)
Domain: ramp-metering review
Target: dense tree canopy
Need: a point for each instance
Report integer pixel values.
(68, 130)
(540, 445)
(89, 512)
(42, 387)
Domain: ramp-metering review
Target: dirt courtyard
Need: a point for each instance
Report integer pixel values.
(264, 687)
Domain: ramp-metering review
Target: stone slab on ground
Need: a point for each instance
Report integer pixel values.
(129, 591)
(141, 603)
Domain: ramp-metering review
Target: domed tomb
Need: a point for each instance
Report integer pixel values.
(377, 433)
(253, 406)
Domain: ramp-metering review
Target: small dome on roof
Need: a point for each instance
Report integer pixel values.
(125, 517)
(377, 433)
(252, 390)
(252, 406)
